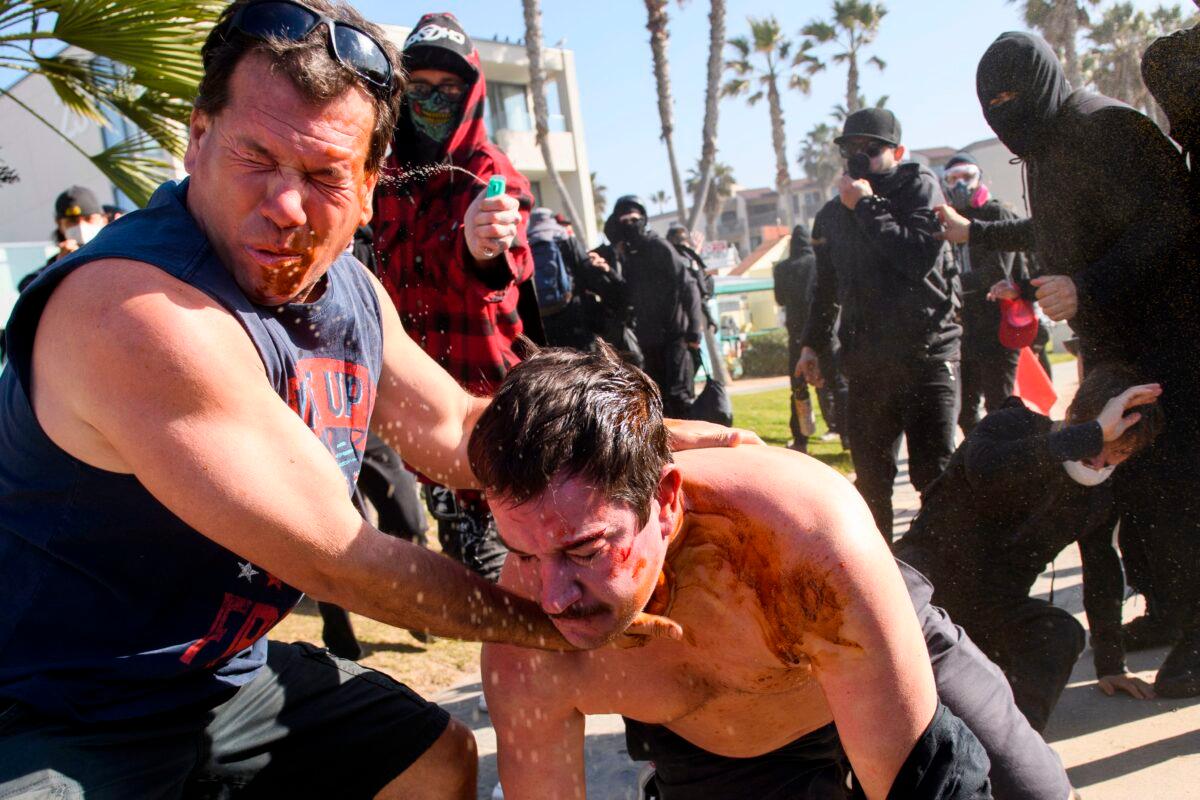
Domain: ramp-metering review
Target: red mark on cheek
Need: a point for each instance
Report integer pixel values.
(623, 554)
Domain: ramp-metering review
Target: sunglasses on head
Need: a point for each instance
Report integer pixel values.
(871, 149)
(352, 47)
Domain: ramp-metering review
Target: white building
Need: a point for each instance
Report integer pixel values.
(47, 164)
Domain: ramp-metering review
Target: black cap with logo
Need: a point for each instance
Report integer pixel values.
(871, 123)
(77, 201)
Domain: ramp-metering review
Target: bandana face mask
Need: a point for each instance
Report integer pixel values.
(1086, 476)
(435, 114)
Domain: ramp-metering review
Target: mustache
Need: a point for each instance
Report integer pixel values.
(580, 612)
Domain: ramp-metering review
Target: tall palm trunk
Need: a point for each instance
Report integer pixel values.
(783, 179)
(541, 114)
(1070, 28)
(708, 150)
(656, 13)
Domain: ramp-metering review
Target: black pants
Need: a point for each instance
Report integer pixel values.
(467, 531)
(919, 399)
(307, 725)
(1034, 643)
(670, 365)
(799, 392)
(392, 491)
(988, 376)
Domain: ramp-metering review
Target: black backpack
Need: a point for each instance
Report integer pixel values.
(550, 276)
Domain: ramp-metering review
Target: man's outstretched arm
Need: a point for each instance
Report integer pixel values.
(173, 392)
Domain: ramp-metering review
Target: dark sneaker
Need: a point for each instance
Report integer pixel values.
(1179, 675)
(1147, 632)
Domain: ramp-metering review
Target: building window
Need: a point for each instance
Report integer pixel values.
(555, 119)
(508, 107)
(729, 217)
(535, 188)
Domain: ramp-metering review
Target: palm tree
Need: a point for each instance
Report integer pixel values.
(599, 200)
(656, 14)
(720, 189)
(819, 156)
(712, 96)
(541, 114)
(1114, 62)
(853, 26)
(774, 50)
(1059, 23)
(659, 198)
(141, 62)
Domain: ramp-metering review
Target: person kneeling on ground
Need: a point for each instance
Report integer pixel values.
(794, 611)
(1017, 491)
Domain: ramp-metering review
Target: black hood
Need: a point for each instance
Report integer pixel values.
(801, 242)
(1025, 64)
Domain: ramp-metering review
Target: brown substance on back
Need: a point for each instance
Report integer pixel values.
(796, 602)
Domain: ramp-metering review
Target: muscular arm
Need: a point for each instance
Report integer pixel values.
(174, 393)
(539, 731)
(878, 682)
(420, 411)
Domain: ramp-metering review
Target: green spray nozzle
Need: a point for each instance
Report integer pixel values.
(496, 186)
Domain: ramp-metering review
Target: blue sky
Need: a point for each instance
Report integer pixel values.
(931, 48)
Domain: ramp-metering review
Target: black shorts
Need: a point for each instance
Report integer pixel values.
(309, 725)
(946, 763)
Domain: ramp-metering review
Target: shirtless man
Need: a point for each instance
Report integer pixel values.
(796, 616)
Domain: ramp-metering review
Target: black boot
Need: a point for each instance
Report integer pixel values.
(1179, 675)
(338, 633)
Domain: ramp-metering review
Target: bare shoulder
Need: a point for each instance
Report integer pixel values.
(110, 305)
(118, 337)
(810, 508)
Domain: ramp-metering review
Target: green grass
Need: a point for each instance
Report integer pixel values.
(766, 413)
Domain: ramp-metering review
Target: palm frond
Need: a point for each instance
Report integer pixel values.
(135, 166)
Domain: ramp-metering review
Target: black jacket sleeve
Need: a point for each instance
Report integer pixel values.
(823, 311)
(1103, 590)
(1008, 446)
(691, 298)
(1008, 235)
(902, 227)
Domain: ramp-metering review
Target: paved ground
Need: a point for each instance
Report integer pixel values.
(1114, 748)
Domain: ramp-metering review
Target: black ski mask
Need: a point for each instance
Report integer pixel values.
(1026, 66)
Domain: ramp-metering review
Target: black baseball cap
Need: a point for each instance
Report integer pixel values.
(77, 201)
(439, 42)
(871, 123)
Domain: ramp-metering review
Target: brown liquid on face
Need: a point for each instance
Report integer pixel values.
(289, 281)
(797, 603)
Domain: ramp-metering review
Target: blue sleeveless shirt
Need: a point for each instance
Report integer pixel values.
(111, 606)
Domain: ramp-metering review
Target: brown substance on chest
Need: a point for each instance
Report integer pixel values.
(796, 602)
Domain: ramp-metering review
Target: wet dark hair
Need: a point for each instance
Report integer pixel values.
(568, 414)
(1101, 384)
(308, 63)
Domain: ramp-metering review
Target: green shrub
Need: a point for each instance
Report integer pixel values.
(766, 355)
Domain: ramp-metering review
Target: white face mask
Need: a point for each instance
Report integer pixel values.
(83, 232)
(1086, 476)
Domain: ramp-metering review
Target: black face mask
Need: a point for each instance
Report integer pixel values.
(632, 230)
(1025, 65)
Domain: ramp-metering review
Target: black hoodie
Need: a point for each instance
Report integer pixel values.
(794, 277)
(896, 284)
(1108, 196)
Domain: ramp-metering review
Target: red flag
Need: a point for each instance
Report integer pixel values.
(1033, 384)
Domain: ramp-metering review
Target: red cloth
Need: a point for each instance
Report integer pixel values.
(1033, 384)
(465, 320)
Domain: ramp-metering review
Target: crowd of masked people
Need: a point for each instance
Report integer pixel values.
(908, 307)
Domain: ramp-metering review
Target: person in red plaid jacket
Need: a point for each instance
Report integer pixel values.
(444, 256)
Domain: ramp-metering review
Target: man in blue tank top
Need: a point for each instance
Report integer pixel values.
(163, 500)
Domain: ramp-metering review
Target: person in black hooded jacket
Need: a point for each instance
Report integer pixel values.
(878, 258)
(667, 317)
(1113, 228)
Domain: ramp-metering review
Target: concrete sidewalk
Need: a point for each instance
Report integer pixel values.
(1114, 748)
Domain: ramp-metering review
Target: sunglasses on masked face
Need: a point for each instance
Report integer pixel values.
(421, 91)
(870, 149)
(351, 47)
